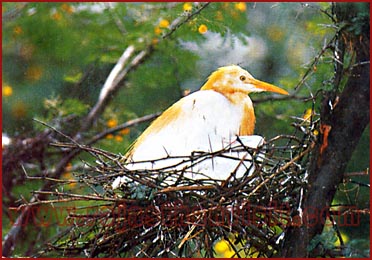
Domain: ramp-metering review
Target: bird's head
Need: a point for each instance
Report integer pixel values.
(231, 79)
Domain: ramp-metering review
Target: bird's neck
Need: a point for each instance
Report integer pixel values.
(249, 119)
(243, 101)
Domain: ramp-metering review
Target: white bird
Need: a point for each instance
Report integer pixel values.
(207, 120)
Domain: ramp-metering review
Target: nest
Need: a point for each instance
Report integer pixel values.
(150, 217)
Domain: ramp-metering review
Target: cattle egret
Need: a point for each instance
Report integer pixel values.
(207, 120)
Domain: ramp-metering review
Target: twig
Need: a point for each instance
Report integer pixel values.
(281, 169)
(278, 98)
(351, 174)
(70, 197)
(45, 177)
(178, 22)
(310, 70)
(57, 131)
(119, 24)
(186, 188)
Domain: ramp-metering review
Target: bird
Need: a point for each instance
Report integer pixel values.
(218, 116)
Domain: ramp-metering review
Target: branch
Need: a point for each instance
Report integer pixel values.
(14, 13)
(120, 71)
(10, 239)
(112, 84)
(178, 22)
(346, 121)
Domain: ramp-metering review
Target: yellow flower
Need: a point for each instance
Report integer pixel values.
(125, 131)
(57, 16)
(241, 6)
(109, 136)
(164, 23)
(202, 29)
(187, 7)
(7, 91)
(222, 247)
(118, 138)
(17, 30)
(67, 8)
(112, 123)
(157, 30)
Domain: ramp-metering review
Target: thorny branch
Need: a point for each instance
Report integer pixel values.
(191, 205)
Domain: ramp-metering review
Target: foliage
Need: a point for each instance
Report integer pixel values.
(57, 56)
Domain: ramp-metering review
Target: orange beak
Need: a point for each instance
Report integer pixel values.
(267, 87)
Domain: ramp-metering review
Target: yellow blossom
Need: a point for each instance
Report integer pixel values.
(67, 8)
(109, 136)
(7, 91)
(202, 29)
(164, 23)
(241, 6)
(125, 131)
(222, 246)
(157, 30)
(57, 16)
(112, 123)
(17, 30)
(187, 7)
(118, 138)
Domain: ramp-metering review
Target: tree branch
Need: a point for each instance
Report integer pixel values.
(345, 121)
(112, 84)
(120, 71)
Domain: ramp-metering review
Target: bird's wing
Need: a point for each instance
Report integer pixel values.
(203, 121)
(230, 162)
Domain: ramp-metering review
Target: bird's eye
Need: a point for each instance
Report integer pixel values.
(242, 78)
